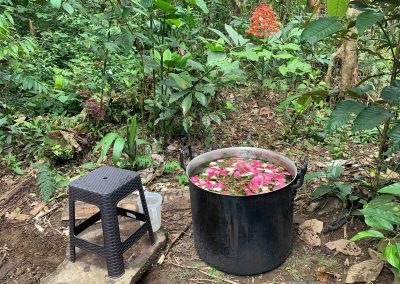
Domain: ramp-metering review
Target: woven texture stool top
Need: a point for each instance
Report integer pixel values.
(105, 180)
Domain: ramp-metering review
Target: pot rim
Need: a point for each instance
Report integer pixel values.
(224, 152)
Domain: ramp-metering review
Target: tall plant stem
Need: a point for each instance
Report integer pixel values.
(262, 71)
(384, 136)
(103, 73)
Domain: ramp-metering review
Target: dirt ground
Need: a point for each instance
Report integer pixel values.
(32, 248)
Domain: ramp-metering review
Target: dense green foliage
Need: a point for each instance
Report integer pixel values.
(116, 81)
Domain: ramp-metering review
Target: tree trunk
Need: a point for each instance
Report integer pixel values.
(347, 56)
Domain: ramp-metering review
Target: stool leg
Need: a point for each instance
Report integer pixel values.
(71, 229)
(146, 213)
(112, 240)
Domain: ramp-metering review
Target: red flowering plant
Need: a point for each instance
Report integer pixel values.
(264, 23)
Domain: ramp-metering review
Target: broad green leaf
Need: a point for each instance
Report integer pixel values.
(367, 19)
(55, 4)
(394, 149)
(321, 191)
(391, 189)
(367, 234)
(221, 35)
(337, 7)
(186, 104)
(63, 98)
(382, 217)
(236, 38)
(284, 55)
(105, 144)
(321, 28)
(343, 190)
(215, 57)
(127, 39)
(310, 176)
(391, 94)
(196, 65)
(67, 7)
(202, 99)
(176, 96)
(118, 148)
(381, 200)
(391, 254)
(370, 117)
(394, 133)
(215, 118)
(248, 54)
(164, 5)
(206, 121)
(59, 82)
(18, 170)
(358, 91)
(343, 113)
(111, 46)
(288, 100)
(180, 82)
(379, 223)
(202, 5)
(335, 171)
(265, 53)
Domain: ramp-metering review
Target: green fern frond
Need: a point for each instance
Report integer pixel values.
(143, 161)
(171, 166)
(46, 182)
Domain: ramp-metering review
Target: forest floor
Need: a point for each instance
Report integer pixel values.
(32, 247)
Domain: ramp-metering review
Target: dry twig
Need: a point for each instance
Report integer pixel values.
(176, 238)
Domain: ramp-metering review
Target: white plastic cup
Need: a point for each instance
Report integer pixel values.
(154, 201)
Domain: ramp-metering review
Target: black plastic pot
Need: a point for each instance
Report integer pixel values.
(243, 235)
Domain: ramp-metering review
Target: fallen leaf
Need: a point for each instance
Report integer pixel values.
(267, 111)
(366, 271)
(325, 276)
(391, 174)
(344, 246)
(314, 225)
(309, 230)
(322, 275)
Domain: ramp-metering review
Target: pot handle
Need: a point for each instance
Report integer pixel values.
(300, 175)
(182, 154)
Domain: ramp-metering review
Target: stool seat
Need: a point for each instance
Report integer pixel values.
(106, 180)
(105, 187)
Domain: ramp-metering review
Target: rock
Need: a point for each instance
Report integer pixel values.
(90, 268)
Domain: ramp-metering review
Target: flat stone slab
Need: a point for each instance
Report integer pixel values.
(90, 268)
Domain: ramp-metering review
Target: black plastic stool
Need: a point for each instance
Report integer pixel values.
(105, 187)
